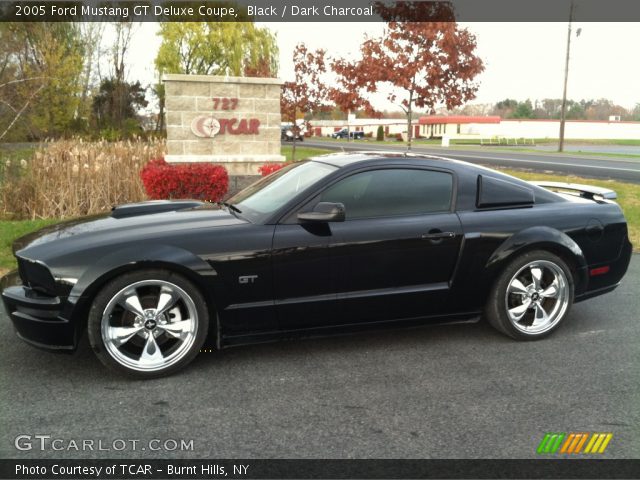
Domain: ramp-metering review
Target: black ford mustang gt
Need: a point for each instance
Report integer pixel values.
(326, 245)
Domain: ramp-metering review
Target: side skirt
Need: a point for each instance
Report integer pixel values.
(318, 332)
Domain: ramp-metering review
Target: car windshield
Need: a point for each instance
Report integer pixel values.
(265, 197)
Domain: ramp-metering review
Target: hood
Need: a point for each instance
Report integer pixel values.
(140, 224)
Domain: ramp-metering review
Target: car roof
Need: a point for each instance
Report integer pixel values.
(343, 159)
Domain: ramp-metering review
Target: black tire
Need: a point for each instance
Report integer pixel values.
(181, 352)
(502, 307)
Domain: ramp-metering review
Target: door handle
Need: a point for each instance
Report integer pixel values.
(437, 235)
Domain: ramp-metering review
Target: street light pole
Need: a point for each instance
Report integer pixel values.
(563, 110)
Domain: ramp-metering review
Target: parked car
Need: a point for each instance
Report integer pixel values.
(344, 133)
(333, 244)
(286, 134)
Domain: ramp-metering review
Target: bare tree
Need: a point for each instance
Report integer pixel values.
(119, 50)
(91, 34)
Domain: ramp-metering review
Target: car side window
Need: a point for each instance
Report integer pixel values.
(392, 192)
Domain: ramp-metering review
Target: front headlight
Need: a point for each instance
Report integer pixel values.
(37, 276)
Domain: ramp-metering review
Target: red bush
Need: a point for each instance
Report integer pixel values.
(203, 181)
(269, 168)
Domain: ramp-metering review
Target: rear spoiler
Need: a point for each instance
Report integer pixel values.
(585, 191)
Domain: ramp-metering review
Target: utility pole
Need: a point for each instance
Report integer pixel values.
(563, 110)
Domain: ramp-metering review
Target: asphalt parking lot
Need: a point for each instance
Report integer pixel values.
(457, 391)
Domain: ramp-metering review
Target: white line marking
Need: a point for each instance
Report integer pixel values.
(591, 332)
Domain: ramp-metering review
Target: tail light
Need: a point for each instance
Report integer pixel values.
(594, 272)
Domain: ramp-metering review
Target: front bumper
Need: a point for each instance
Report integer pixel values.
(37, 318)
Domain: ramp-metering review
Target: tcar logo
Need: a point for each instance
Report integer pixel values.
(205, 126)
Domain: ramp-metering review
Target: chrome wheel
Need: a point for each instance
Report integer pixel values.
(149, 325)
(537, 297)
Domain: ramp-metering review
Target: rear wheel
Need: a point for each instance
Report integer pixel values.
(532, 296)
(148, 323)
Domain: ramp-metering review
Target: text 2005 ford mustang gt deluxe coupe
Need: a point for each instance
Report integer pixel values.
(326, 245)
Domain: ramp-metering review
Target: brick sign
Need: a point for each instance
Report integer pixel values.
(233, 121)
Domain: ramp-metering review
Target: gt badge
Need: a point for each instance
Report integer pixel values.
(244, 279)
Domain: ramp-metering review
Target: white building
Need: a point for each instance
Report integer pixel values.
(391, 126)
(484, 127)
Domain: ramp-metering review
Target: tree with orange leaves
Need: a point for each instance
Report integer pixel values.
(426, 63)
(350, 94)
(307, 93)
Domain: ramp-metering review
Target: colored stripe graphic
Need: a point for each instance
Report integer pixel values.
(550, 443)
(598, 443)
(574, 442)
(581, 442)
(567, 443)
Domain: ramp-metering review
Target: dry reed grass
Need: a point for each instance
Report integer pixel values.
(71, 178)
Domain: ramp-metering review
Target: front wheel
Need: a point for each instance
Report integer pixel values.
(532, 296)
(148, 323)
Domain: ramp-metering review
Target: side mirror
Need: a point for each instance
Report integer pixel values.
(324, 212)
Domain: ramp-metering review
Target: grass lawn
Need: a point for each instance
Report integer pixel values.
(591, 141)
(302, 152)
(628, 198)
(570, 152)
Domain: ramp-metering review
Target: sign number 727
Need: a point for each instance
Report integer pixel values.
(224, 103)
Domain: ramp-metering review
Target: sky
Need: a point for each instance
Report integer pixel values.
(522, 60)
